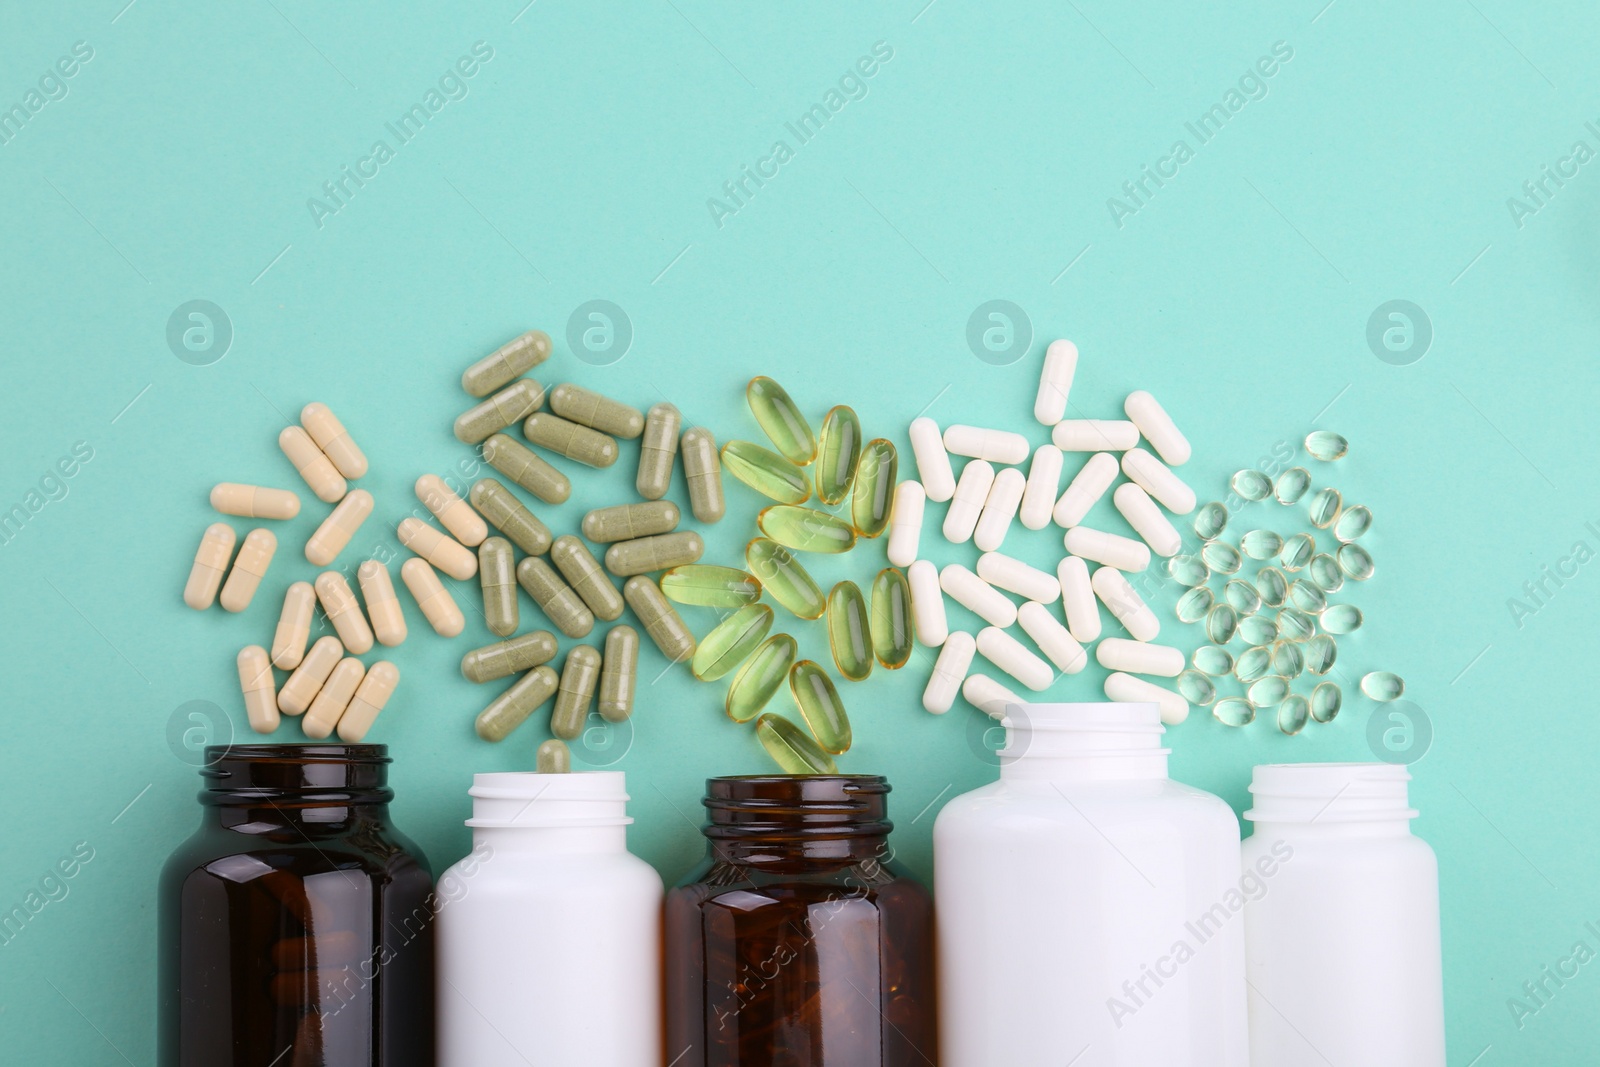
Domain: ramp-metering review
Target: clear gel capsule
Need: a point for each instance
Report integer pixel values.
(1253, 664)
(370, 698)
(999, 509)
(708, 586)
(1221, 557)
(790, 748)
(1273, 586)
(439, 549)
(1383, 686)
(584, 573)
(329, 434)
(780, 419)
(1260, 544)
(893, 631)
(806, 529)
(629, 522)
(1196, 688)
(511, 708)
(254, 501)
(1307, 596)
(1341, 619)
(335, 532)
(249, 567)
(1292, 485)
(1355, 562)
(1194, 604)
(580, 678)
(453, 513)
(1188, 570)
(1324, 570)
(1268, 691)
(1213, 660)
(560, 602)
(949, 671)
(1055, 382)
(1241, 596)
(1222, 622)
(781, 575)
(1293, 713)
(702, 472)
(294, 626)
(619, 674)
(730, 642)
(1326, 445)
(512, 656)
(509, 406)
(1325, 507)
(658, 447)
(383, 606)
(257, 687)
(1044, 479)
(570, 439)
(872, 496)
(655, 553)
(1157, 427)
(210, 563)
(1295, 625)
(905, 523)
(664, 625)
(1326, 700)
(339, 604)
(497, 577)
(759, 678)
(432, 598)
(1094, 435)
(814, 694)
(552, 757)
(1258, 629)
(1288, 659)
(768, 473)
(1251, 484)
(1210, 521)
(1234, 711)
(1297, 552)
(838, 449)
(1085, 489)
(527, 470)
(933, 462)
(1320, 653)
(1353, 523)
(511, 360)
(849, 631)
(507, 514)
(588, 408)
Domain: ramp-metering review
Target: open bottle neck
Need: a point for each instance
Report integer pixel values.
(313, 788)
(580, 812)
(1083, 742)
(1334, 799)
(798, 821)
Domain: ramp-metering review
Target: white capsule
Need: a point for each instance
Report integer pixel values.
(1112, 587)
(977, 595)
(1011, 656)
(996, 446)
(1114, 550)
(1055, 381)
(933, 462)
(1155, 478)
(927, 604)
(988, 695)
(1126, 689)
(999, 509)
(949, 671)
(1077, 599)
(1044, 478)
(1052, 638)
(1018, 577)
(1085, 489)
(961, 518)
(1147, 520)
(1095, 435)
(905, 523)
(1157, 427)
(1139, 657)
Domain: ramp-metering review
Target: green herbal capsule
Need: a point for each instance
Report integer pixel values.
(791, 749)
(703, 473)
(820, 705)
(516, 401)
(580, 677)
(780, 419)
(507, 711)
(872, 498)
(806, 529)
(849, 631)
(507, 514)
(664, 625)
(730, 642)
(589, 447)
(628, 522)
(657, 450)
(588, 408)
(583, 572)
(766, 472)
(760, 677)
(707, 586)
(837, 453)
(782, 575)
(509, 361)
(508, 657)
(555, 598)
(892, 627)
(497, 576)
(553, 757)
(645, 554)
(619, 674)
(535, 475)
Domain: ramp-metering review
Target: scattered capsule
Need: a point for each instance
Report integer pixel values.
(1155, 478)
(791, 749)
(966, 505)
(1341, 619)
(806, 529)
(995, 446)
(432, 598)
(989, 696)
(370, 698)
(974, 594)
(905, 523)
(1039, 495)
(1251, 484)
(1325, 507)
(559, 601)
(1326, 445)
(1324, 571)
(1196, 688)
(820, 706)
(1291, 485)
(1135, 615)
(655, 553)
(1268, 691)
(768, 473)
(497, 577)
(1085, 489)
(1383, 686)
(1157, 427)
(511, 360)
(254, 501)
(1258, 629)
(383, 606)
(1288, 659)
(1326, 700)
(1094, 435)
(1320, 653)
(439, 549)
(511, 708)
(702, 472)
(1297, 552)
(1222, 622)
(893, 632)
(949, 671)
(1053, 639)
(333, 698)
(1355, 562)
(927, 604)
(1295, 625)
(1293, 713)
(1253, 664)
(1188, 571)
(838, 449)
(1273, 586)
(507, 407)
(587, 578)
(730, 642)
(782, 575)
(1077, 600)
(780, 419)
(249, 567)
(210, 562)
(507, 514)
(329, 435)
(760, 677)
(629, 522)
(339, 604)
(591, 409)
(933, 462)
(1128, 689)
(1055, 381)
(1213, 660)
(570, 439)
(1210, 521)
(1242, 596)
(849, 631)
(1146, 519)
(1113, 550)
(303, 685)
(453, 513)
(872, 496)
(1139, 657)
(664, 625)
(552, 757)
(339, 527)
(619, 674)
(529, 471)
(580, 677)
(511, 656)
(1194, 604)
(999, 509)
(708, 586)
(256, 685)
(1221, 557)
(1234, 711)
(1261, 544)
(294, 626)
(1353, 523)
(1307, 596)
(1015, 576)
(657, 449)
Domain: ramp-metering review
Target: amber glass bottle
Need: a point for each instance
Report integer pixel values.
(296, 925)
(799, 943)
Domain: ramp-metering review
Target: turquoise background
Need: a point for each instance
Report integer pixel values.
(977, 166)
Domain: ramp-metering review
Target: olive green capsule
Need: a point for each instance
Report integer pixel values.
(582, 571)
(511, 360)
(707, 586)
(589, 447)
(780, 419)
(849, 631)
(619, 673)
(766, 472)
(520, 653)
(507, 711)
(782, 575)
(645, 554)
(555, 598)
(516, 401)
(837, 452)
(580, 677)
(730, 642)
(553, 757)
(760, 677)
(892, 628)
(657, 450)
(588, 408)
(497, 576)
(820, 706)
(791, 749)
(872, 498)
(806, 529)
(507, 514)
(660, 620)
(628, 522)
(703, 473)
(519, 464)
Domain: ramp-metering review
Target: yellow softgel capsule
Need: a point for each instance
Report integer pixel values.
(254, 501)
(331, 703)
(294, 626)
(442, 551)
(335, 441)
(339, 527)
(383, 606)
(314, 466)
(453, 513)
(255, 682)
(339, 604)
(370, 697)
(432, 598)
(210, 562)
(303, 685)
(255, 556)
(511, 360)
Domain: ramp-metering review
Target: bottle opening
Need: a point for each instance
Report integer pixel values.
(529, 799)
(1090, 740)
(1330, 792)
(800, 806)
(305, 774)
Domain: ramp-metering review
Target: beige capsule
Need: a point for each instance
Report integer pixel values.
(645, 554)
(584, 573)
(659, 618)
(294, 626)
(316, 468)
(508, 515)
(438, 607)
(255, 556)
(597, 412)
(383, 606)
(619, 674)
(560, 603)
(442, 551)
(339, 527)
(334, 440)
(254, 501)
(511, 360)
(553, 757)
(577, 442)
(512, 404)
(330, 705)
(580, 677)
(453, 513)
(511, 708)
(657, 450)
(531, 472)
(702, 469)
(503, 658)
(371, 696)
(255, 682)
(497, 578)
(303, 685)
(210, 562)
(628, 522)
(339, 604)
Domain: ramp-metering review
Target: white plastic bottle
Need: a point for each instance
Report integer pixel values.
(549, 932)
(1342, 928)
(1088, 907)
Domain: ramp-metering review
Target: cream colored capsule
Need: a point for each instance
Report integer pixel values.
(383, 606)
(966, 505)
(254, 501)
(996, 446)
(1112, 587)
(334, 440)
(1147, 520)
(294, 626)
(339, 527)
(210, 561)
(1077, 600)
(1055, 382)
(371, 695)
(453, 513)
(931, 624)
(339, 604)
(255, 682)
(450, 556)
(255, 556)
(1015, 576)
(949, 671)
(988, 695)
(432, 597)
(330, 705)
(1053, 639)
(933, 462)
(315, 467)
(306, 681)
(1012, 656)
(905, 523)
(1140, 657)
(977, 595)
(1044, 478)
(1127, 689)
(999, 509)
